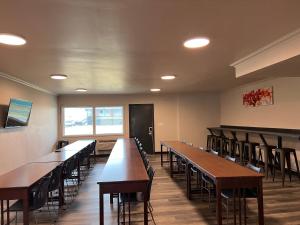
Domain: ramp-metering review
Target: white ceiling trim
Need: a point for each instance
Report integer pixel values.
(275, 52)
(25, 83)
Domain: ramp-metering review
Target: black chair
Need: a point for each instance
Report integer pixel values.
(207, 184)
(136, 198)
(70, 175)
(38, 197)
(229, 158)
(61, 144)
(55, 187)
(245, 193)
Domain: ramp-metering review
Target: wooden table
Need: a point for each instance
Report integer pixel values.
(124, 172)
(17, 183)
(77, 145)
(225, 174)
(64, 154)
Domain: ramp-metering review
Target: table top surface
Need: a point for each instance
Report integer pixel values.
(64, 153)
(286, 133)
(215, 166)
(124, 164)
(25, 176)
(77, 145)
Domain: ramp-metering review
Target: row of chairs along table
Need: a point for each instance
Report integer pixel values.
(50, 182)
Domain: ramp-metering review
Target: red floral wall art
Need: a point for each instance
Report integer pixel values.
(258, 97)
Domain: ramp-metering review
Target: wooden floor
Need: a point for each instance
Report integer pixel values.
(282, 205)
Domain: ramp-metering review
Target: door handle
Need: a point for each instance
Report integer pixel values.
(150, 131)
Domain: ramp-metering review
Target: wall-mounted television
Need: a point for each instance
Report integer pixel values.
(18, 113)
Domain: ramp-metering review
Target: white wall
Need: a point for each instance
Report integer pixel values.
(21, 145)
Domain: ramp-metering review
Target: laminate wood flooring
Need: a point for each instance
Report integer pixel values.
(171, 207)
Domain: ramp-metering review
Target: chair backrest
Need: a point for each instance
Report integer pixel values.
(255, 168)
(214, 152)
(190, 144)
(151, 173)
(70, 165)
(39, 194)
(232, 159)
(55, 178)
(61, 144)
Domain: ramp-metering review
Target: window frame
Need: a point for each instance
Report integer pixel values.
(94, 121)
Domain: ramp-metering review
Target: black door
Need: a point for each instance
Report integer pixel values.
(141, 124)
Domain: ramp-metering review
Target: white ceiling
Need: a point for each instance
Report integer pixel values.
(124, 46)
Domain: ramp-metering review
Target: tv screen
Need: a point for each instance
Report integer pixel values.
(18, 113)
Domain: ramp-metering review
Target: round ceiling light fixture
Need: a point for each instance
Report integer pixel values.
(155, 89)
(168, 77)
(58, 76)
(196, 42)
(81, 90)
(11, 39)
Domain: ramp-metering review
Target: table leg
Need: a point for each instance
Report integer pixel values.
(161, 155)
(282, 166)
(171, 164)
(234, 208)
(2, 213)
(101, 214)
(7, 212)
(266, 158)
(25, 210)
(219, 203)
(145, 210)
(260, 203)
(111, 198)
(188, 180)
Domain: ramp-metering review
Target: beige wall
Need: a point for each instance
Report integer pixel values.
(168, 111)
(285, 113)
(196, 113)
(21, 145)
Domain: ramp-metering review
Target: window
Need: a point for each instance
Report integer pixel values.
(109, 120)
(78, 121)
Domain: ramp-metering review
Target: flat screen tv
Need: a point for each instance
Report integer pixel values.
(18, 113)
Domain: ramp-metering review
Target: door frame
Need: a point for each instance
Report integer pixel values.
(153, 128)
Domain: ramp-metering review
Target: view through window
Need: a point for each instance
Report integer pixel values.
(78, 121)
(109, 120)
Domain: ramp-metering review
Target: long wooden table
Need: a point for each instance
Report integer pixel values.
(124, 172)
(225, 174)
(64, 154)
(16, 184)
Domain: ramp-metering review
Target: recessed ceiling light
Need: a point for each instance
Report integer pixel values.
(81, 90)
(10, 39)
(168, 77)
(155, 89)
(196, 42)
(59, 76)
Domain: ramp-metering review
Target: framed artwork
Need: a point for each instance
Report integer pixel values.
(258, 97)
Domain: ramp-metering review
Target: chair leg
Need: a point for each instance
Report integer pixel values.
(288, 162)
(296, 161)
(150, 211)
